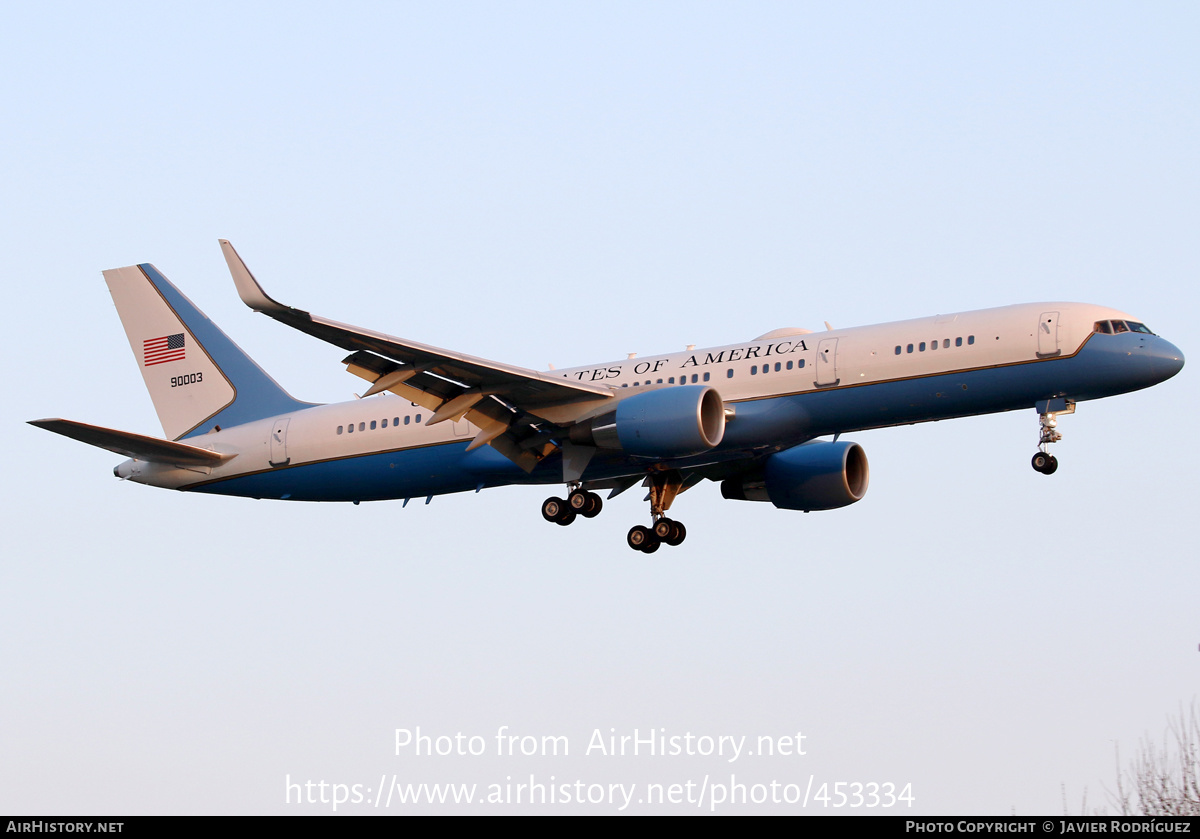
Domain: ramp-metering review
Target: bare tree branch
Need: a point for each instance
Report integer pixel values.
(1163, 780)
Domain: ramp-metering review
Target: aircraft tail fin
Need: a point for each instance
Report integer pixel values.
(197, 377)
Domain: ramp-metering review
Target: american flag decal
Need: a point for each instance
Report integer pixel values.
(161, 350)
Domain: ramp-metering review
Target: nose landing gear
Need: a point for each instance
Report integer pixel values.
(1048, 412)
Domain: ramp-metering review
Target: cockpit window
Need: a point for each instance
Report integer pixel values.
(1115, 327)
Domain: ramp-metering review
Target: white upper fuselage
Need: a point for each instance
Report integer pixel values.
(865, 354)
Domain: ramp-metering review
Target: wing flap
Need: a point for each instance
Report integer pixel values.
(374, 369)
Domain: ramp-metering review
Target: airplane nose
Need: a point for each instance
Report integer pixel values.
(1167, 359)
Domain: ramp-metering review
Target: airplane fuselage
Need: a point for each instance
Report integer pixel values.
(780, 390)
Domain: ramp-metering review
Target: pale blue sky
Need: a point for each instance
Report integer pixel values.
(545, 183)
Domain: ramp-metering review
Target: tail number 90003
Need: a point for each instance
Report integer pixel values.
(187, 379)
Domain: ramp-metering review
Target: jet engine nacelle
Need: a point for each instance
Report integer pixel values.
(669, 422)
(811, 476)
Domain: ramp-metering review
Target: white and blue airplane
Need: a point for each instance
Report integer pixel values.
(748, 415)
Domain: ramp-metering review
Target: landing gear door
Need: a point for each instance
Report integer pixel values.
(1047, 334)
(279, 455)
(827, 363)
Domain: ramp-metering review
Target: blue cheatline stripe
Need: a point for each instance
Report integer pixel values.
(257, 396)
(429, 470)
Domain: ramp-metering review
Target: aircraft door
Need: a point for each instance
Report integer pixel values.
(827, 363)
(461, 428)
(1048, 335)
(279, 455)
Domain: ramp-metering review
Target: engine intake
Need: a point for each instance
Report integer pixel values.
(812, 476)
(669, 422)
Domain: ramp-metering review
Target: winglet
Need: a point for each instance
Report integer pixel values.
(247, 287)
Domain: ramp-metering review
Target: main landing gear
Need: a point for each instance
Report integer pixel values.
(664, 532)
(664, 486)
(1043, 461)
(580, 502)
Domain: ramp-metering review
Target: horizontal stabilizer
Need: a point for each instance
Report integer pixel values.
(137, 446)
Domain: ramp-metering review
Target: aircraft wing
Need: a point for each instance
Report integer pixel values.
(441, 372)
(494, 396)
